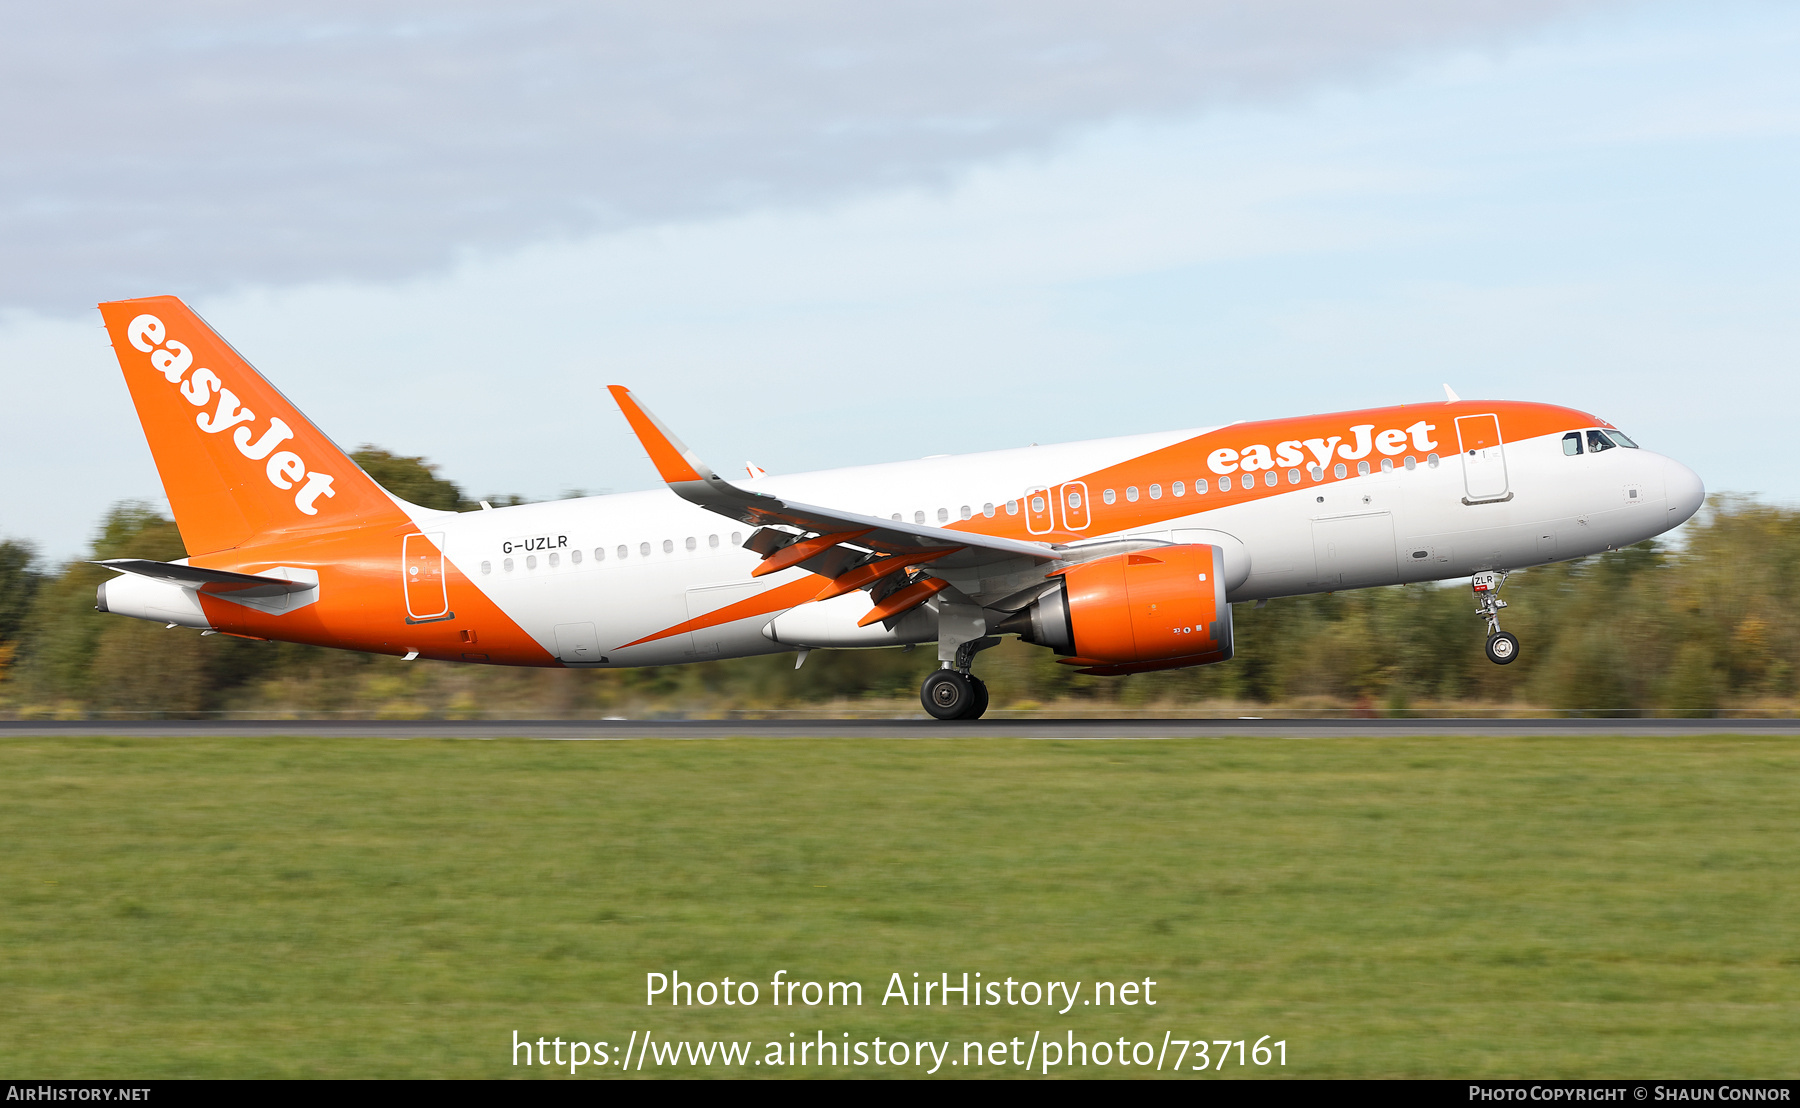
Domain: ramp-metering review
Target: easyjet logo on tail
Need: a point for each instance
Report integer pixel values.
(284, 468)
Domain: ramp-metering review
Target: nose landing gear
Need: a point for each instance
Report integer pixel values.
(1502, 646)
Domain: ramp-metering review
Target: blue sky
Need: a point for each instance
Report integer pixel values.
(1594, 207)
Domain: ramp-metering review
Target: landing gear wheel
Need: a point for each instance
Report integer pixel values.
(948, 694)
(1502, 648)
(980, 706)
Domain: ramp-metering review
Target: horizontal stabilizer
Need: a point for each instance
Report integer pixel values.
(217, 581)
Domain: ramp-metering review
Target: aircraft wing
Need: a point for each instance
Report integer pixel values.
(696, 482)
(216, 581)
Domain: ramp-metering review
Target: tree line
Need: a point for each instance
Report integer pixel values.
(1692, 628)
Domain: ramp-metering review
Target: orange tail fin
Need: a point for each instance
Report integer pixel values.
(236, 459)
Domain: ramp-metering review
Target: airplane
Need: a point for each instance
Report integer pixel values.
(1120, 555)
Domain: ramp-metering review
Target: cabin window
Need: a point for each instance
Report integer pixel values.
(1362, 469)
(668, 546)
(918, 517)
(1340, 471)
(988, 510)
(1572, 443)
(624, 551)
(692, 543)
(1224, 484)
(1597, 441)
(643, 550)
(1271, 478)
(1179, 488)
(1200, 487)
(967, 512)
(1431, 460)
(1156, 492)
(574, 557)
(487, 568)
(554, 560)
(599, 553)
(1131, 493)
(1387, 465)
(507, 565)
(1411, 463)
(712, 542)
(943, 515)
(1317, 473)
(737, 538)
(1037, 505)
(1109, 496)
(1074, 499)
(531, 561)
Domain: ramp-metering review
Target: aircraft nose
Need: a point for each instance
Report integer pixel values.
(1684, 490)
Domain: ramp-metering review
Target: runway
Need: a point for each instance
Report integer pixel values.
(1068, 729)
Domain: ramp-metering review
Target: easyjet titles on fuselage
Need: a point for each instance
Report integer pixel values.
(1292, 452)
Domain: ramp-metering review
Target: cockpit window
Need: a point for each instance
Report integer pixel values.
(1572, 443)
(1619, 437)
(1597, 441)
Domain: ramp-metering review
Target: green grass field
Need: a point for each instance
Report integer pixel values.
(1411, 907)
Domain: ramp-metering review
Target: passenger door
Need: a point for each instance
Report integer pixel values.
(422, 573)
(1483, 457)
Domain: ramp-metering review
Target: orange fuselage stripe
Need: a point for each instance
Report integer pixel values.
(777, 599)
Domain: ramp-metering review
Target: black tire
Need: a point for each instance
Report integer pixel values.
(980, 705)
(947, 694)
(1503, 648)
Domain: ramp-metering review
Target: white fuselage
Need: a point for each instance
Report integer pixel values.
(638, 564)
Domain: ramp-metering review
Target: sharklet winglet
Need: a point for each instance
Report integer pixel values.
(673, 460)
(698, 483)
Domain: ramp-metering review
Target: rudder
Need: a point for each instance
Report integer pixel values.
(236, 459)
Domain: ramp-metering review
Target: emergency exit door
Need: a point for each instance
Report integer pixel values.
(1040, 510)
(1483, 457)
(1074, 500)
(422, 561)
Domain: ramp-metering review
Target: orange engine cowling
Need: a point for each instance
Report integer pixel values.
(1162, 608)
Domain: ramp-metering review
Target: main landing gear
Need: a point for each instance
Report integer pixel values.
(948, 694)
(1502, 646)
(953, 692)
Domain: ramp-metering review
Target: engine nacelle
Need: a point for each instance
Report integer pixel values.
(1162, 608)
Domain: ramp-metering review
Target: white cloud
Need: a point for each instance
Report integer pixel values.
(197, 147)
